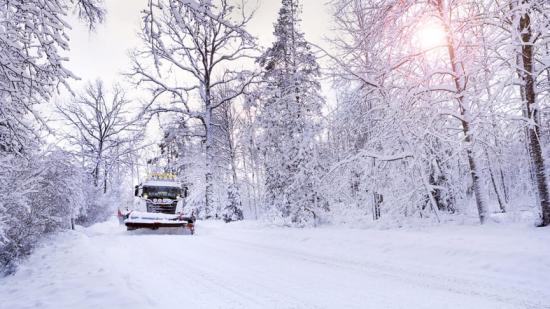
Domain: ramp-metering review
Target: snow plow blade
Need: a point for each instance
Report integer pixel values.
(139, 220)
(153, 225)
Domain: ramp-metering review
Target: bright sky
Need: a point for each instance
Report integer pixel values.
(104, 53)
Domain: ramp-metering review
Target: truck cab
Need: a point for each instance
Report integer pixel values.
(159, 203)
(161, 196)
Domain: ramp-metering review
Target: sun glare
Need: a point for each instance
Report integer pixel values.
(430, 36)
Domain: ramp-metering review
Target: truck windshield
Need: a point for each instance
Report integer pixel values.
(161, 192)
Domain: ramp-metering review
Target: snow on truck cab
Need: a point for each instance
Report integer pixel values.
(160, 204)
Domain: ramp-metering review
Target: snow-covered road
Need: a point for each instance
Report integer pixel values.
(245, 265)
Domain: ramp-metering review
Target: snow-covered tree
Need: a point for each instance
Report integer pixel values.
(38, 195)
(291, 116)
(192, 48)
(226, 122)
(103, 129)
(40, 189)
(411, 76)
(33, 37)
(530, 28)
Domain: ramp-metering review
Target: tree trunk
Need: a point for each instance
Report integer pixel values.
(95, 175)
(98, 162)
(105, 180)
(376, 200)
(532, 110)
(429, 191)
(255, 182)
(465, 115)
(209, 188)
(495, 186)
(504, 187)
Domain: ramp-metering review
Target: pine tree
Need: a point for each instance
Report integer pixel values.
(290, 120)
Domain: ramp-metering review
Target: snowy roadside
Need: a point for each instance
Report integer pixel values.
(247, 265)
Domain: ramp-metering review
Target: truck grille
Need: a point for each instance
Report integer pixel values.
(162, 208)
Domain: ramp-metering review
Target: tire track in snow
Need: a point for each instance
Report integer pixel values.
(180, 269)
(516, 296)
(210, 275)
(352, 298)
(267, 278)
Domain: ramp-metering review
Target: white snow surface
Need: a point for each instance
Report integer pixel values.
(142, 216)
(247, 265)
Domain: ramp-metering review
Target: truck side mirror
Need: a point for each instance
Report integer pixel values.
(136, 190)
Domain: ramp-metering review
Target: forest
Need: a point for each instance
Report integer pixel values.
(410, 113)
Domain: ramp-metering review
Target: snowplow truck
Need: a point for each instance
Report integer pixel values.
(160, 204)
